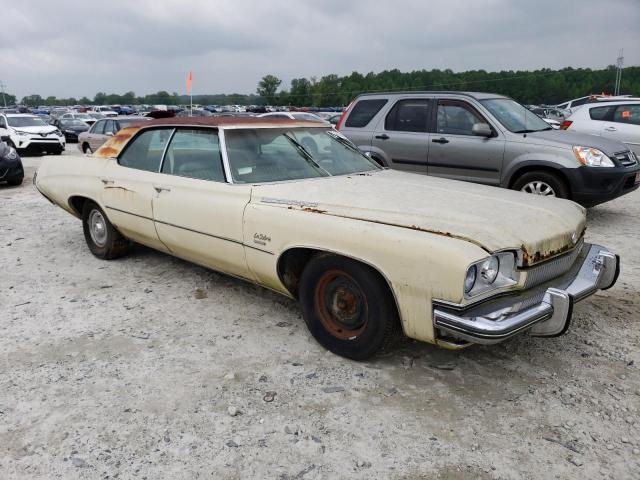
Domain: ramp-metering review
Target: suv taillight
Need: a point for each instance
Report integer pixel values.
(343, 116)
(566, 124)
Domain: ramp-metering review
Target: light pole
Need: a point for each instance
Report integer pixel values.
(619, 64)
(4, 100)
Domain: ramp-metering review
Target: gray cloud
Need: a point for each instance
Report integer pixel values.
(68, 48)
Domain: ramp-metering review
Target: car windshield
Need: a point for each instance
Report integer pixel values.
(25, 122)
(514, 116)
(276, 154)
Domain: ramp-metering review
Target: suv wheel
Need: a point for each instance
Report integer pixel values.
(542, 183)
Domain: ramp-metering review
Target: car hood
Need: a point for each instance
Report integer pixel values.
(492, 218)
(568, 139)
(36, 129)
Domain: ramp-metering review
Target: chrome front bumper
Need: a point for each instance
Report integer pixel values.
(544, 311)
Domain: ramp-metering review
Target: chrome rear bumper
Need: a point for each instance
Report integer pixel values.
(545, 311)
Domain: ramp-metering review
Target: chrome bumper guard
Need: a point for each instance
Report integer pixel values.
(546, 312)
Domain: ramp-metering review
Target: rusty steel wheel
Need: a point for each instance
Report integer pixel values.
(347, 306)
(341, 305)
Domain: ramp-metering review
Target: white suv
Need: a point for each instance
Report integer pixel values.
(29, 133)
(616, 120)
(104, 110)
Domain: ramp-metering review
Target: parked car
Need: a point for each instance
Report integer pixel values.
(194, 113)
(489, 139)
(11, 170)
(29, 133)
(297, 208)
(615, 120)
(310, 117)
(71, 128)
(92, 139)
(572, 106)
(105, 111)
(85, 117)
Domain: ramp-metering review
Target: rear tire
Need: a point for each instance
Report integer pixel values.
(102, 238)
(347, 307)
(543, 183)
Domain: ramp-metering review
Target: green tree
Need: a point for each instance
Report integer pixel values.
(268, 86)
(32, 100)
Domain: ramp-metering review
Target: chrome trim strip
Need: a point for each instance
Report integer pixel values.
(193, 231)
(164, 152)
(225, 157)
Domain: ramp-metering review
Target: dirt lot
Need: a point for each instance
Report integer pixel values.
(151, 367)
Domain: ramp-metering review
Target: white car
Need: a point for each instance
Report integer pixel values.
(616, 120)
(295, 116)
(106, 111)
(85, 117)
(30, 133)
(367, 251)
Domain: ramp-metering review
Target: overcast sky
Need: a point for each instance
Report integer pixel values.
(75, 48)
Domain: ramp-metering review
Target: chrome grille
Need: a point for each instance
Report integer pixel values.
(627, 159)
(552, 268)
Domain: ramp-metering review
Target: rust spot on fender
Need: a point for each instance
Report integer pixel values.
(313, 210)
(529, 259)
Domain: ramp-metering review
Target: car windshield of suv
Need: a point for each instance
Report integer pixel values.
(277, 154)
(25, 122)
(514, 116)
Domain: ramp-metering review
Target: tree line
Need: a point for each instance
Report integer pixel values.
(544, 86)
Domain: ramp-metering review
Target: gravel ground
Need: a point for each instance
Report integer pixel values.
(151, 367)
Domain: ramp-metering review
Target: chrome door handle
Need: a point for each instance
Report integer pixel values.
(106, 181)
(611, 129)
(160, 188)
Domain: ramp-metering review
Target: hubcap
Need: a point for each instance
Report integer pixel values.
(538, 187)
(341, 305)
(97, 228)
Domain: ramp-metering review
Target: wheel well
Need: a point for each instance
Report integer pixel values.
(537, 168)
(77, 204)
(293, 261)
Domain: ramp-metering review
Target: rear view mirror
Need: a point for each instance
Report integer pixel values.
(481, 130)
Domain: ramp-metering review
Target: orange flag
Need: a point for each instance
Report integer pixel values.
(189, 78)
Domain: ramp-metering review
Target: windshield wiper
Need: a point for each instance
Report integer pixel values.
(305, 153)
(345, 142)
(532, 131)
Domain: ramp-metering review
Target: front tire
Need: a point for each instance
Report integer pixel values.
(347, 307)
(104, 241)
(542, 183)
(86, 149)
(14, 182)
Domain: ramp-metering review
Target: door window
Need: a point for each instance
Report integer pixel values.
(194, 154)
(363, 112)
(408, 116)
(108, 127)
(627, 114)
(98, 128)
(145, 151)
(456, 118)
(599, 113)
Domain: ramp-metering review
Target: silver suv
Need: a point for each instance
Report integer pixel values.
(489, 139)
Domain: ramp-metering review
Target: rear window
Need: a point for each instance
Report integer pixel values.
(363, 112)
(599, 113)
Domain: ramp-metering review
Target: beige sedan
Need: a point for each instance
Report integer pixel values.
(368, 252)
(103, 129)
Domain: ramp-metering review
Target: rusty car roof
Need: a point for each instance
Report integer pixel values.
(115, 144)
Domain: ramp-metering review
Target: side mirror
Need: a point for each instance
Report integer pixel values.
(5, 138)
(481, 130)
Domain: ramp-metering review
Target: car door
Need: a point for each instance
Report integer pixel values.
(455, 152)
(197, 214)
(402, 135)
(128, 186)
(624, 126)
(96, 133)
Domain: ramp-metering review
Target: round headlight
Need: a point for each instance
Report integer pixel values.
(470, 279)
(489, 269)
